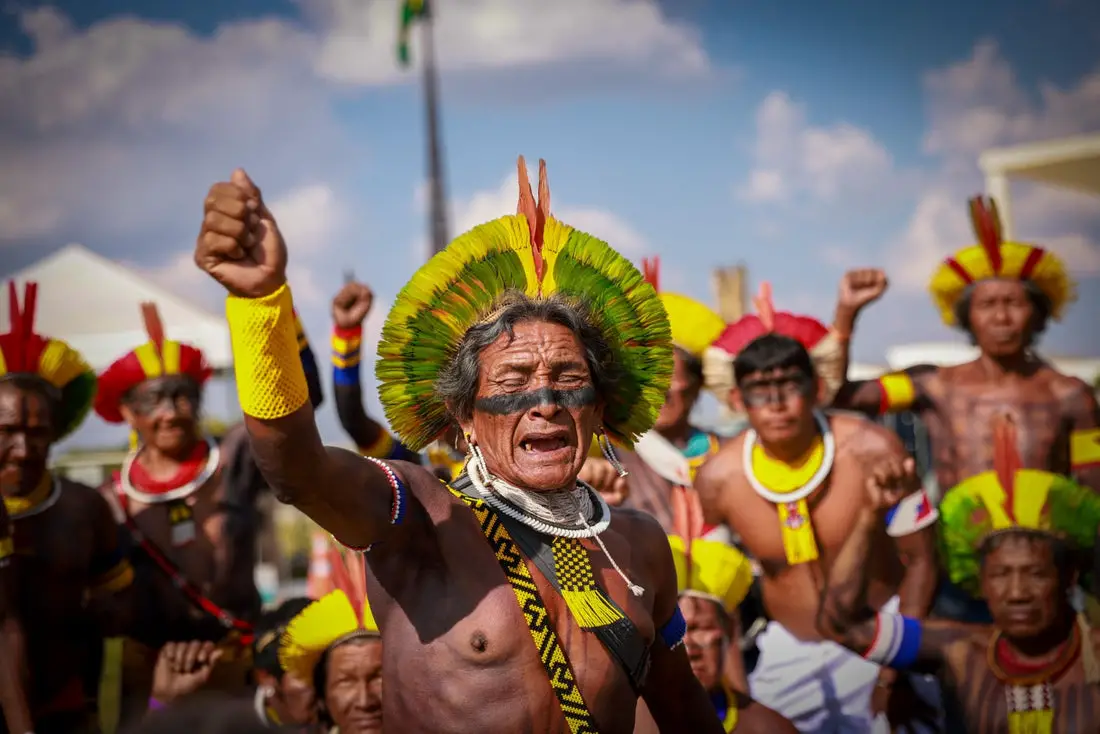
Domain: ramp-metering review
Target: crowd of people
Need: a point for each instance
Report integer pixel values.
(538, 539)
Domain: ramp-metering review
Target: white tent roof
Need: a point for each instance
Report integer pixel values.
(1070, 162)
(94, 304)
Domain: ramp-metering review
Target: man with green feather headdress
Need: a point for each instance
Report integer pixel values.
(511, 599)
(1020, 539)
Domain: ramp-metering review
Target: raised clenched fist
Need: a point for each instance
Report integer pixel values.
(861, 287)
(889, 481)
(351, 305)
(240, 245)
(605, 479)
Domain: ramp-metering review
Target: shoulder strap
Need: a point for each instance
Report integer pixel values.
(622, 639)
(558, 669)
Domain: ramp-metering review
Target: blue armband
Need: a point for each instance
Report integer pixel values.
(897, 641)
(673, 631)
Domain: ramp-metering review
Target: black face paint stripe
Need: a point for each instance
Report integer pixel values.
(521, 402)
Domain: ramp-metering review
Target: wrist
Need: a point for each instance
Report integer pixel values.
(347, 332)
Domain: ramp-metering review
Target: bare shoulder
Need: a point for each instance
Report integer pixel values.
(79, 495)
(859, 436)
(637, 525)
(1073, 392)
(427, 488)
(725, 463)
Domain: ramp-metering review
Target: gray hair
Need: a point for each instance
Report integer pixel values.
(458, 380)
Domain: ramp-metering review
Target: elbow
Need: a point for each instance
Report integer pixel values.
(831, 623)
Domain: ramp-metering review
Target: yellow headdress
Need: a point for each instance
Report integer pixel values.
(539, 256)
(712, 570)
(992, 257)
(693, 325)
(340, 616)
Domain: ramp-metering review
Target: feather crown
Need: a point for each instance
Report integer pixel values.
(24, 352)
(991, 258)
(537, 255)
(157, 357)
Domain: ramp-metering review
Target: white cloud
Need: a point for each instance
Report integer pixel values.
(360, 47)
(793, 157)
(978, 104)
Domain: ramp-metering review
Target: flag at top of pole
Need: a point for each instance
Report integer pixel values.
(411, 11)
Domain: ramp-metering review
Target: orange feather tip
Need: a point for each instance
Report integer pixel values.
(535, 211)
(765, 306)
(651, 271)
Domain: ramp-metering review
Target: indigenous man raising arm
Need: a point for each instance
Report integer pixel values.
(1015, 535)
(70, 574)
(1002, 294)
(791, 488)
(188, 508)
(13, 662)
(532, 336)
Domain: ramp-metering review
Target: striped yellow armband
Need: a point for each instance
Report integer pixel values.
(897, 393)
(116, 579)
(270, 380)
(1084, 449)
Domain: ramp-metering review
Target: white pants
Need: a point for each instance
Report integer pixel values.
(821, 687)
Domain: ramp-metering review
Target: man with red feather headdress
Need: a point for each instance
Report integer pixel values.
(789, 487)
(187, 504)
(1002, 294)
(65, 570)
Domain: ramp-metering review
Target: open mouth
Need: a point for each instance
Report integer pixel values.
(543, 445)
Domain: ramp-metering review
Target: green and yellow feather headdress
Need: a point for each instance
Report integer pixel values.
(538, 255)
(1009, 498)
(340, 616)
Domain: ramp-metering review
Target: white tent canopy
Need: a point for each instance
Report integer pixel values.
(1072, 163)
(94, 304)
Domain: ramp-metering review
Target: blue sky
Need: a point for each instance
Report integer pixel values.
(797, 137)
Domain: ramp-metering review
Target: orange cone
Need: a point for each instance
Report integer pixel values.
(319, 577)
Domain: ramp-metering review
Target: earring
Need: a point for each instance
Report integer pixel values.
(608, 452)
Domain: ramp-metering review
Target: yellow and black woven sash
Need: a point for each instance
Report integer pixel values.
(557, 666)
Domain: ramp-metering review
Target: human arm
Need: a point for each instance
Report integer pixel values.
(349, 308)
(110, 574)
(713, 480)
(357, 500)
(858, 289)
(1083, 415)
(309, 364)
(675, 698)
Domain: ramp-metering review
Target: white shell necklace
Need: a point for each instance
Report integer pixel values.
(564, 513)
(806, 489)
(213, 459)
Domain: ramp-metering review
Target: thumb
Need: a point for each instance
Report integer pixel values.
(241, 179)
(216, 656)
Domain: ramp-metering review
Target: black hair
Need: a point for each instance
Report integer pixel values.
(269, 630)
(1040, 303)
(458, 380)
(693, 365)
(25, 382)
(772, 352)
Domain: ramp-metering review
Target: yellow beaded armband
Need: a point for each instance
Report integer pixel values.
(270, 380)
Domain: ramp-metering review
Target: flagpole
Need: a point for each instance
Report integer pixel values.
(436, 190)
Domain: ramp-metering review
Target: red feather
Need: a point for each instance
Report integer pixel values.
(342, 579)
(987, 226)
(765, 309)
(1006, 457)
(529, 208)
(651, 270)
(154, 328)
(14, 354)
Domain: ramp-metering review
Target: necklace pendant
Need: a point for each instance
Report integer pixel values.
(1030, 709)
(182, 521)
(799, 543)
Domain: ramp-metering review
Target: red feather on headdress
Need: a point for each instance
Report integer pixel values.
(767, 320)
(536, 211)
(154, 327)
(651, 270)
(765, 309)
(21, 346)
(987, 226)
(349, 576)
(1006, 457)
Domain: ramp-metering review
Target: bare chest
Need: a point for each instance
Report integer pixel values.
(977, 697)
(189, 532)
(961, 428)
(495, 641)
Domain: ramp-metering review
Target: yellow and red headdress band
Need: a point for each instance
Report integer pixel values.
(539, 256)
(158, 357)
(693, 325)
(340, 616)
(819, 340)
(1010, 498)
(992, 258)
(23, 352)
